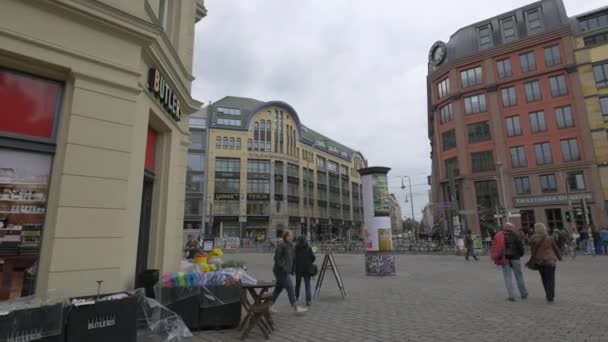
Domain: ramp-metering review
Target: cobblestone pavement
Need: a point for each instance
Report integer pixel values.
(440, 298)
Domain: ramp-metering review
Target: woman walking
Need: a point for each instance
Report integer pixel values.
(283, 268)
(304, 267)
(544, 258)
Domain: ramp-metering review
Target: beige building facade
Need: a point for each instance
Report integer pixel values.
(93, 154)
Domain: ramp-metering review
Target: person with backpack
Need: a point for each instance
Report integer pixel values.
(544, 258)
(304, 267)
(507, 249)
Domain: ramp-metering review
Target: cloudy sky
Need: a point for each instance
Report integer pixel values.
(354, 70)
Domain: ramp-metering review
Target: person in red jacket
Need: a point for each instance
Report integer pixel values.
(507, 249)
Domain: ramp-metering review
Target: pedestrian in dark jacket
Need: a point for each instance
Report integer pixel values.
(469, 245)
(304, 267)
(545, 255)
(283, 268)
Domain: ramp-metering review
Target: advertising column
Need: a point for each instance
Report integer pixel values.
(379, 258)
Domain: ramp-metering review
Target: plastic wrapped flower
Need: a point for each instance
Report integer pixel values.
(216, 253)
(212, 268)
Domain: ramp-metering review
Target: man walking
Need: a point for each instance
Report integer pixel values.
(508, 248)
(604, 238)
(468, 244)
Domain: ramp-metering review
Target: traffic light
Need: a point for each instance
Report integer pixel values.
(568, 216)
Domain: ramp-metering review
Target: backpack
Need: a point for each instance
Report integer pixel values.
(498, 249)
(513, 245)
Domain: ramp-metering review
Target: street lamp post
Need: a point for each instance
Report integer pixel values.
(409, 180)
(502, 188)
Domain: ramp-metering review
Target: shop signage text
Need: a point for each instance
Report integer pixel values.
(159, 86)
(552, 199)
(226, 197)
(258, 197)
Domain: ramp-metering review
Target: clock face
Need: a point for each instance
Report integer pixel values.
(438, 53)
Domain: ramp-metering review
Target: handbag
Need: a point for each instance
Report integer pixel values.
(531, 264)
(313, 270)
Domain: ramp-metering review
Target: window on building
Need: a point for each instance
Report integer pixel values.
(479, 132)
(471, 77)
(449, 139)
(508, 29)
(443, 88)
(548, 183)
(258, 186)
(508, 97)
(451, 167)
(238, 143)
(193, 206)
(595, 21)
(446, 113)
(232, 143)
(504, 68)
(250, 144)
(513, 126)
(195, 122)
(604, 106)
(475, 104)
(482, 161)
(229, 111)
(485, 36)
(533, 21)
(533, 92)
(218, 142)
(599, 38)
(537, 122)
(227, 165)
(528, 62)
(570, 150)
(553, 55)
(486, 194)
(227, 185)
(518, 157)
(226, 145)
(196, 161)
(321, 163)
(228, 122)
(576, 181)
(197, 140)
(258, 167)
(268, 136)
(528, 218)
(522, 185)
(563, 116)
(558, 85)
(554, 218)
(543, 153)
(194, 182)
(600, 72)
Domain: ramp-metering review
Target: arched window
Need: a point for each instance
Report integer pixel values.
(249, 144)
(268, 135)
(256, 131)
(262, 134)
(218, 142)
(232, 143)
(225, 143)
(238, 143)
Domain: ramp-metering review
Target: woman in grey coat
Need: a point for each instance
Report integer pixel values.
(283, 268)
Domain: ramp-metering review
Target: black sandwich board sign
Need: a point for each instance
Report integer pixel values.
(329, 263)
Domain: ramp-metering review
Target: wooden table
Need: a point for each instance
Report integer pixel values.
(254, 297)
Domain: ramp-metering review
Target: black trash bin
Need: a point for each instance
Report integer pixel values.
(147, 280)
(103, 320)
(185, 302)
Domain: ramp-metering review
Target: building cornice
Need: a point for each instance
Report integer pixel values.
(535, 40)
(201, 10)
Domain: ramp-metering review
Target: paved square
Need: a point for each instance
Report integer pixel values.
(440, 298)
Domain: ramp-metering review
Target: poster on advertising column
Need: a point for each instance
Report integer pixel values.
(381, 195)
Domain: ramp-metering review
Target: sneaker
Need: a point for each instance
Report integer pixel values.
(524, 297)
(273, 310)
(511, 299)
(300, 310)
(308, 304)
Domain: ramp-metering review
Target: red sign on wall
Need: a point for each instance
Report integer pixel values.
(28, 105)
(151, 149)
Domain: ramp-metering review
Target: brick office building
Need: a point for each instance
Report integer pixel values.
(506, 118)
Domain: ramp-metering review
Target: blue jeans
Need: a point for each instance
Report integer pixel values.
(470, 253)
(283, 282)
(306, 278)
(510, 268)
(589, 247)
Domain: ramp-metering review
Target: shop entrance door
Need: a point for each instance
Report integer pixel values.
(143, 241)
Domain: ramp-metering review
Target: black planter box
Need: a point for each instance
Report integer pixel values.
(103, 321)
(223, 311)
(44, 324)
(185, 302)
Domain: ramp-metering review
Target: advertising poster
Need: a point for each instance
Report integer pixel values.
(371, 238)
(381, 195)
(385, 239)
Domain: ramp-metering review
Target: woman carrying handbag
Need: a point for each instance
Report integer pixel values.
(545, 255)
